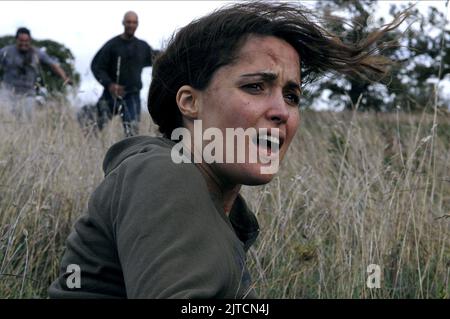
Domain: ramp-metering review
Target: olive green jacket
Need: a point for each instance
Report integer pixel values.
(152, 230)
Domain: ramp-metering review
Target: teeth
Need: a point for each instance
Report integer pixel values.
(273, 139)
(270, 139)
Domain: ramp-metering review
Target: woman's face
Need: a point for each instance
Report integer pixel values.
(260, 90)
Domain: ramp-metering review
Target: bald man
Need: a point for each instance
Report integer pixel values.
(118, 66)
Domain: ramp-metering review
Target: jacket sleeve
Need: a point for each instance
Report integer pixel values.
(149, 54)
(2, 58)
(167, 242)
(2, 53)
(45, 58)
(100, 64)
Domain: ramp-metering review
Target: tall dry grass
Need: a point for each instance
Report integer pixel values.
(358, 189)
(354, 190)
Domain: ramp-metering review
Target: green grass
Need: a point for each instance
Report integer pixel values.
(355, 189)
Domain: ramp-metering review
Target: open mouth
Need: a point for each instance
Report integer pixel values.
(269, 143)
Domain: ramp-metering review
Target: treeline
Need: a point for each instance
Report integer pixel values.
(420, 49)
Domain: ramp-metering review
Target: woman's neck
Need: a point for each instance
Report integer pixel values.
(226, 194)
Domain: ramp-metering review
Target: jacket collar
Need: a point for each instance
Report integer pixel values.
(244, 222)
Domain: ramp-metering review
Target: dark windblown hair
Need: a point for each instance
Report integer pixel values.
(199, 49)
(22, 30)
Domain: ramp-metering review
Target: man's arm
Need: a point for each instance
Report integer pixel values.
(54, 65)
(150, 54)
(99, 65)
(99, 68)
(2, 55)
(2, 60)
(59, 70)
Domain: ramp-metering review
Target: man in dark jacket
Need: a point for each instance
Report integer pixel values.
(118, 66)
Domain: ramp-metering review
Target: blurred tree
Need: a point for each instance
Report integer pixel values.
(63, 55)
(416, 53)
(418, 61)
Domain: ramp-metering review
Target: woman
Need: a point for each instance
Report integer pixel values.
(157, 228)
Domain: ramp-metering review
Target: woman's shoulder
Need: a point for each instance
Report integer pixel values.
(147, 157)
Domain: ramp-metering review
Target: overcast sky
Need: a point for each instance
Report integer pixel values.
(84, 26)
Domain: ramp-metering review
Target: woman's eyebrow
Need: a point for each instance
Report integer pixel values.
(271, 77)
(266, 76)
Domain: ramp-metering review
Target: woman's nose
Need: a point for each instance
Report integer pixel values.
(278, 109)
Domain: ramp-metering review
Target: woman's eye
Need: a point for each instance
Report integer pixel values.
(253, 88)
(292, 98)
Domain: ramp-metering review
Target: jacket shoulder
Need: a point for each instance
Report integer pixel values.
(143, 155)
(7, 49)
(111, 42)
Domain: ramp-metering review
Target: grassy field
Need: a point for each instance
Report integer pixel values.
(355, 189)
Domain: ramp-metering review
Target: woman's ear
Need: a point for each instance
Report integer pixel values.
(187, 102)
